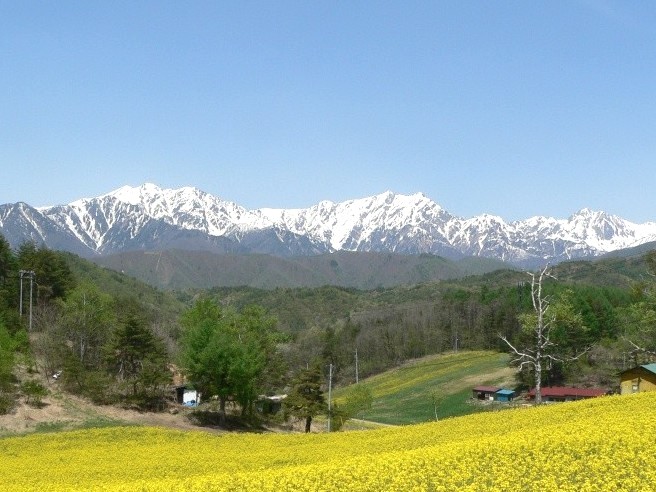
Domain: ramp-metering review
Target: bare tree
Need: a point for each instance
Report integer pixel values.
(639, 351)
(540, 326)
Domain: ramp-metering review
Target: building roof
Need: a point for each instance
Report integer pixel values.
(486, 389)
(565, 391)
(647, 367)
(505, 392)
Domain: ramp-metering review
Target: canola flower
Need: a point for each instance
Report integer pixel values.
(593, 445)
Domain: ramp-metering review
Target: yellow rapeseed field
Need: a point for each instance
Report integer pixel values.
(602, 444)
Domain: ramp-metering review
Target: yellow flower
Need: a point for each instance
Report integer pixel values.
(600, 444)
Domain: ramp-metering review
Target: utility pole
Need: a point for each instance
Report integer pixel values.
(20, 300)
(357, 377)
(31, 275)
(330, 387)
(31, 289)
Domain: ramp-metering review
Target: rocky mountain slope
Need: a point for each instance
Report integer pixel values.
(151, 218)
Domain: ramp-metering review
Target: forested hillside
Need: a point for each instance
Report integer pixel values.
(116, 340)
(390, 326)
(105, 336)
(178, 270)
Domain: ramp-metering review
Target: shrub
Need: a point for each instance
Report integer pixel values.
(34, 392)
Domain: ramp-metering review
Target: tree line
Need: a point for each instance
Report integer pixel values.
(387, 327)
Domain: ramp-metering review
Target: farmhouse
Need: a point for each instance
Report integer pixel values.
(567, 393)
(484, 392)
(492, 393)
(638, 379)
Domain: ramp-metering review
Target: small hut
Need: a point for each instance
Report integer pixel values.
(270, 404)
(504, 395)
(484, 392)
(638, 379)
(187, 396)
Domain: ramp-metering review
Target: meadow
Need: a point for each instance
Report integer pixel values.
(600, 444)
(404, 395)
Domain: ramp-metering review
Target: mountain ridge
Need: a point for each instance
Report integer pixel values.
(183, 269)
(151, 218)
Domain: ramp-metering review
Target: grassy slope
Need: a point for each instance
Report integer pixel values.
(403, 395)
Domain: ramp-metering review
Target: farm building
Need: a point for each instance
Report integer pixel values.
(270, 404)
(638, 379)
(484, 392)
(567, 393)
(504, 395)
(491, 393)
(186, 396)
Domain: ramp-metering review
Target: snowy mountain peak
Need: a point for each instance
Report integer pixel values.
(487, 219)
(149, 192)
(149, 217)
(587, 214)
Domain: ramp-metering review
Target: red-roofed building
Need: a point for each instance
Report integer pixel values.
(484, 392)
(567, 393)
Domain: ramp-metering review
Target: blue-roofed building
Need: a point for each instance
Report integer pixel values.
(638, 379)
(504, 395)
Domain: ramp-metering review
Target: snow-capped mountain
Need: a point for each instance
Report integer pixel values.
(150, 218)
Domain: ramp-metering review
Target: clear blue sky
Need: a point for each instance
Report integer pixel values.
(512, 108)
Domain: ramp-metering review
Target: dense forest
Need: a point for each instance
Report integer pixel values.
(389, 326)
(116, 340)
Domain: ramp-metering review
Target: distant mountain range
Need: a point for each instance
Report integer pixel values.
(148, 218)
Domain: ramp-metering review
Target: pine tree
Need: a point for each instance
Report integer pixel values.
(138, 358)
(306, 399)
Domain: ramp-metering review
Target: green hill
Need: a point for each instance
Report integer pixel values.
(405, 395)
(177, 269)
(159, 304)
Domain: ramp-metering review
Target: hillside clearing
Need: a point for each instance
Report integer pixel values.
(404, 395)
(62, 411)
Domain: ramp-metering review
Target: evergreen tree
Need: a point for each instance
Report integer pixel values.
(85, 326)
(53, 276)
(138, 359)
(9, 286)
(306, 399)
(7, 349)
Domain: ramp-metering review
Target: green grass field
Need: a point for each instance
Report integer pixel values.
(406, 395)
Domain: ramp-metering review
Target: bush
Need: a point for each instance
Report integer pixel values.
(34, 392)
(7, 402)
(99, 388)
